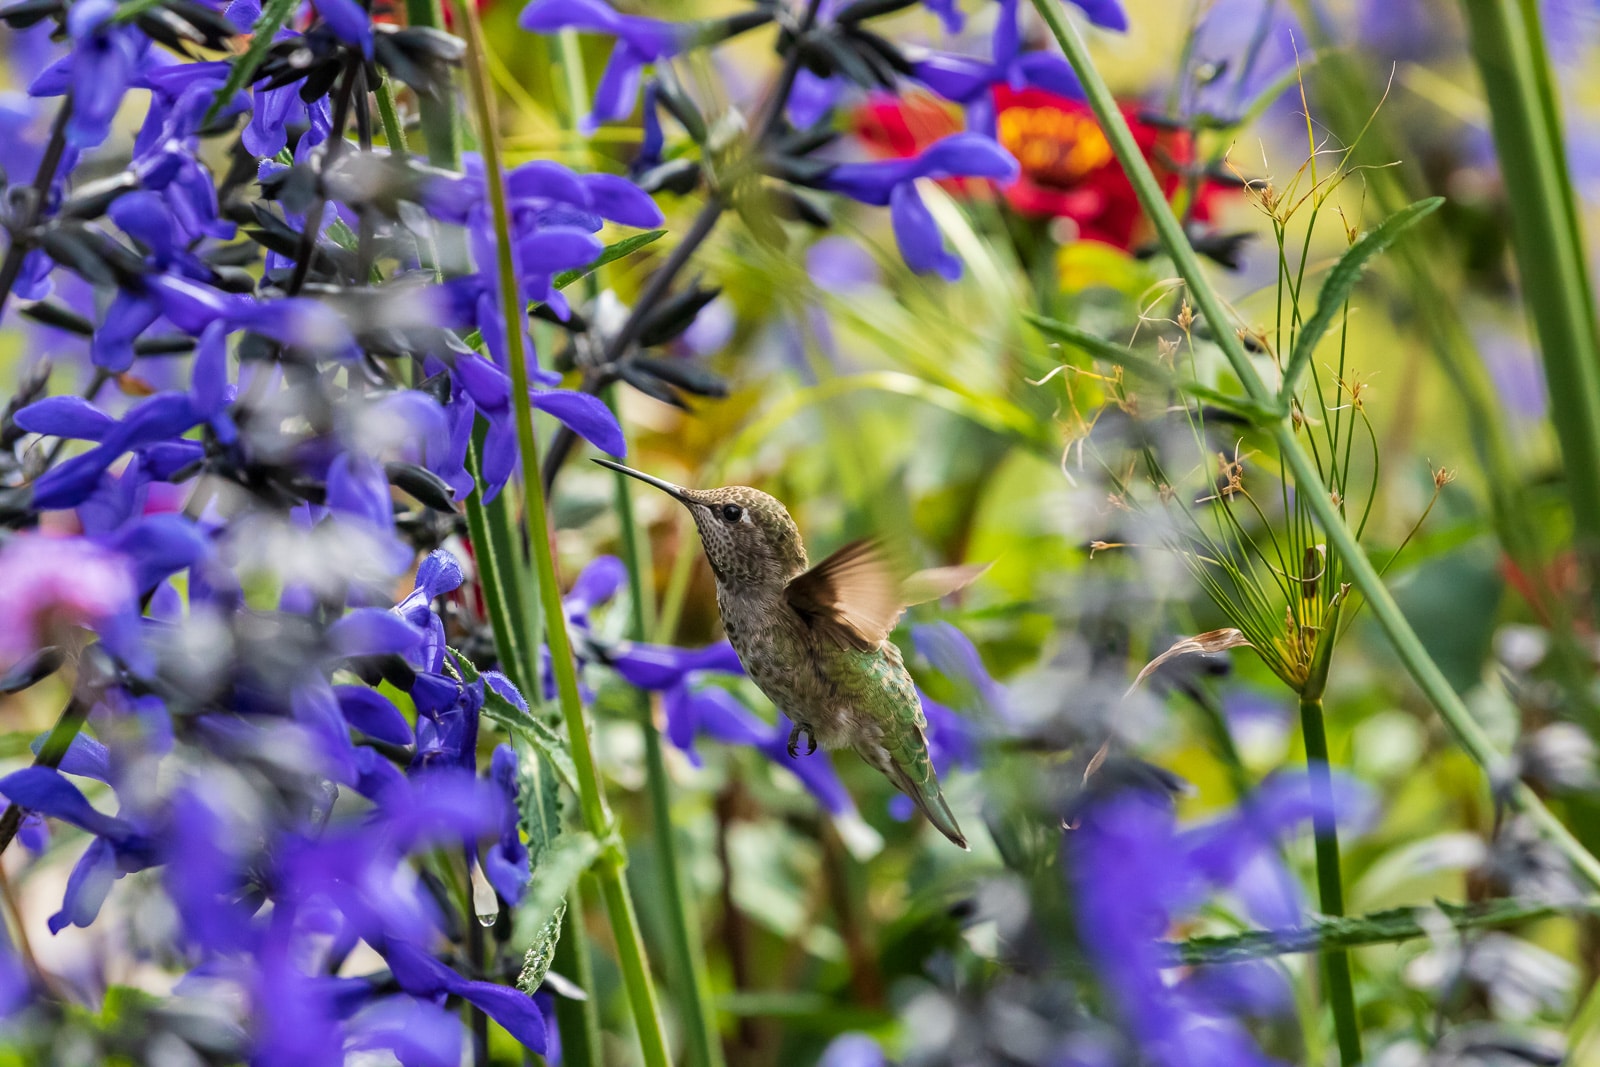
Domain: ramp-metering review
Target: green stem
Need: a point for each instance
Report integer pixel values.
(486, 554)
(1363, 575)
(1548, 238)
(393, 131)
(441, 125)
(591, 797)
(1330, 882)
(682, 926)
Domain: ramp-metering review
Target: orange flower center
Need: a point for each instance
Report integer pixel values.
(1055, 147)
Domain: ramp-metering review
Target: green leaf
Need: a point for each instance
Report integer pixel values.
(273, 15)
(1379, 927)
(626, 246)
(1341, 280)
(539, 915)
(1100, 348)
(539, 798)
(555, 857)
(610, 254)
(518, 723)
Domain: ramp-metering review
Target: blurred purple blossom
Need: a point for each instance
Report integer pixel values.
(893, 183)
(55, 583)
(640, 40)
(1135, 872)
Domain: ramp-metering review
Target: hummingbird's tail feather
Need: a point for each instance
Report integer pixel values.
(929, 799)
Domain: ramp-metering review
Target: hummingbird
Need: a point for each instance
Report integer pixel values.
(815, 640)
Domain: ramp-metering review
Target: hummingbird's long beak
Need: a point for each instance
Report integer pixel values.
(677, 492)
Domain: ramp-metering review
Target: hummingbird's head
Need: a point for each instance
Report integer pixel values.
(748, 535)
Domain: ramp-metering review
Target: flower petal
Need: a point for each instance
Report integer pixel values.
(371, 712)
(587, 416)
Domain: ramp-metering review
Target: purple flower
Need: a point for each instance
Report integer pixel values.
(56, 583)
(119, 847)
(100, 68)
(640, 40)
(1135, 872)
(482, 387)
(506, 862)
(1252, 44)
(893, 182)
(953, 655)
(349, 22)
(967, 81)
(852, 1050)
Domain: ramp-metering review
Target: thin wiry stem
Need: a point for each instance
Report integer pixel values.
(1407, 645)
(49, 163)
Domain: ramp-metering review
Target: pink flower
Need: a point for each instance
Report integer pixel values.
(55, 583)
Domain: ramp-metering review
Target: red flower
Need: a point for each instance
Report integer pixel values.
(1068, 168)
(900, 127)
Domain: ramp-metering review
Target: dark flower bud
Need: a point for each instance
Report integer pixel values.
(55, 314)
(861, 10)
(678, 176)
(680, 106)
(1558, 758)
(675, 315)
(170, 344)
(90, 201)
(799, 206)
(422, 484)
(32, 669)
(648, 384)
(683, 374)
(419, 57)
(24, 13)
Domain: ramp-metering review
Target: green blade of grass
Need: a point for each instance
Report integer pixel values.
(1339, 284)
(273, 16)
(1509, 48)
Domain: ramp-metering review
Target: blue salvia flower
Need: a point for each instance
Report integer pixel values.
(893, 183)
(105, 60)
(969, 82)
(640, 40)
(1135, 872)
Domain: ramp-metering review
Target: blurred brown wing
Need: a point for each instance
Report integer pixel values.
(853, 596)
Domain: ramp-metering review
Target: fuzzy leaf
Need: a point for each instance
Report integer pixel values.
(539, 917)
(539, 797)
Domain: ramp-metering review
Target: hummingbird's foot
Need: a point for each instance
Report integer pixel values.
(794, 741)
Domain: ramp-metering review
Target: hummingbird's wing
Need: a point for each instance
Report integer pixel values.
(853, 596)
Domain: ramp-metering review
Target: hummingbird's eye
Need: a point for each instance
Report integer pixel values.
(732, 513)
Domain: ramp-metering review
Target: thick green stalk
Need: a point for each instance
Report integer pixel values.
(684, 959)
(699, 1025)
(441, 124)
(1363, 575)
(393, 131)
(1548, 237)
(502, 570)
(1330, 882)
(487, 555)
(591, 797)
